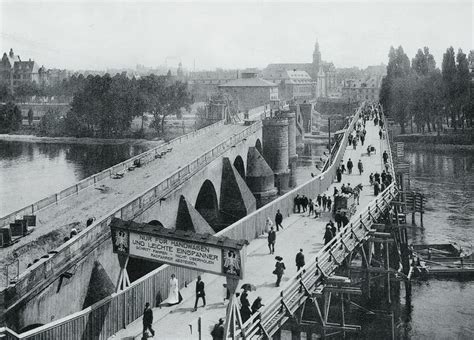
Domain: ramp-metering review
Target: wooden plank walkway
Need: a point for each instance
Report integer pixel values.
(300, 231)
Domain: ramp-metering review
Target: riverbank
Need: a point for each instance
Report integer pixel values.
(85, 140)
(439, 147)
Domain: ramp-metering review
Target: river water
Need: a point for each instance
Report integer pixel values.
(440, 309)
(32, 171)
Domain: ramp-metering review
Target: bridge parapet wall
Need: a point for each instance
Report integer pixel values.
(144, 158)
(122, 308)
(48, 270)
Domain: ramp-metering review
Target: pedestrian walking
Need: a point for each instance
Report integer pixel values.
(299, 260)
(345, 219)
(376, 188)
(174, 296)
(343, 167)
(304, 202)
(324, 201)
(371, 178)
(349, 166)
(296, 202)
(271, 240)
(354, 143)
(383, 176)
(338, 219)
(329, 203)
(278, 220)
(200, 293)
(362, 139)
(385, 156)
(360, 166)
(327, 235)
(147, 321)
(377, 177)
(317, 211)
(339, 174)
(217, 332)
(332, 226)
(256, 305)
(311, 207)
(319, 199)
(279, 269)
(380, 133)
(245, 311)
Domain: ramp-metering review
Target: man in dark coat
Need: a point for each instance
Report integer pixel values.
(297, 204)
(200, 293)
(325, 201)
(299, 260)
(256, 305)
(385, 156)
(271, 240)
(332, 226)
(245, 311)
(279, 270)
(328, 235)
(329, 203)
(338, 219)
(344, 219)
(319, 199)
(383, 176)
(376, 188)
(349, 166)
(218, 330)
(304, 202)
(278, 220)
(147, 321)
(339, 174)
(377, 177)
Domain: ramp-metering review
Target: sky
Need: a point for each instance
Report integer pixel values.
(105, 34)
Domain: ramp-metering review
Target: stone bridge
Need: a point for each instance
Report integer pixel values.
(203, 181)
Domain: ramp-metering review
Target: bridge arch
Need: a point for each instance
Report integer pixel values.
(156, 223)
(207, 204)
(239, 165)
(258, 146)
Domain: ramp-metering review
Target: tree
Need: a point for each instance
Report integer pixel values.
(163, 97)
(5, 93)
(449, 83)
(400, 94)
(51, 124)
(10, 117)
(463, 81)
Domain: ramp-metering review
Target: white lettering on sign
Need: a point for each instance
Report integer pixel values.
(182, 253)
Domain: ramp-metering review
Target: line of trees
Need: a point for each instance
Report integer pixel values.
(10, 117)
(420, 93)
(104, 106)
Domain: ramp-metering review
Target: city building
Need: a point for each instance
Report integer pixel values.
(362, 89)
(203, 84)
(322, 72)
(52, 77)
(14, 71)
(250, 91)
(293, 85)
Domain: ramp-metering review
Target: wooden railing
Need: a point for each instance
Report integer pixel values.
(144, 158)
(108, 316)
(70, 252)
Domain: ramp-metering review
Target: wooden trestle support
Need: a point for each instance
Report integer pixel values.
(381, 259)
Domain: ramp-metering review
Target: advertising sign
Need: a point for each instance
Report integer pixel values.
(179, 251)
(182, 253)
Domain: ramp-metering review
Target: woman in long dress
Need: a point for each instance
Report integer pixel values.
(174, 297)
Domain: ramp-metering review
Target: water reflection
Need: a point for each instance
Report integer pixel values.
(31, 171)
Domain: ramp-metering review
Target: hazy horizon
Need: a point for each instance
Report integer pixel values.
(232, 35)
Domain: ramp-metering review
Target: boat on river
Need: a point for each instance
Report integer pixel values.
(442, 260)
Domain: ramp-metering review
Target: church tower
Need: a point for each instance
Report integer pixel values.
(316, 61)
